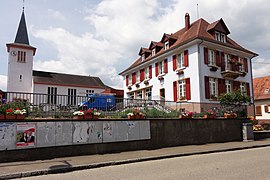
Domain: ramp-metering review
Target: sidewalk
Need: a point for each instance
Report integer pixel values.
(57, 165)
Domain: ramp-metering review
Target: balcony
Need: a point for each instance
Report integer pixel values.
(228, 73)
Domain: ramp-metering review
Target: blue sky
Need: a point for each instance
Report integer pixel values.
(103, 37)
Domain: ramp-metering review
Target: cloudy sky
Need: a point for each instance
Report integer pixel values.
(103, 37)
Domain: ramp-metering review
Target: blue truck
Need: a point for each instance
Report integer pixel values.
(102, 102)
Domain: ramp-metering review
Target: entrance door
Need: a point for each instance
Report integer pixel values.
(162, 97)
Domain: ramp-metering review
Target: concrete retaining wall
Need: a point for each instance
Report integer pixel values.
(96, 137)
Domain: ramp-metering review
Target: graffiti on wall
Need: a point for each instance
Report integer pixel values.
(25, 135)
(81, 132)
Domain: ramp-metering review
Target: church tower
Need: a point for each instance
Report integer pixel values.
(20, 61)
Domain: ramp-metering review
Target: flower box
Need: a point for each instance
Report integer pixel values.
(78, 117)
(185, 117)
(95, 116)
(88, 116)
(10, 116)
(209, 116)
(230, 115)
(2, 116)
(20, 116)
(131, 117)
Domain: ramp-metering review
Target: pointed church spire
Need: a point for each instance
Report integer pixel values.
(22, 35)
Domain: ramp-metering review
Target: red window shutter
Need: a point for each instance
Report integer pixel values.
(126, 80)
(258, 110)
(174, 62)
(205, 55)
(165, 66)
(207, 88)
(218, 58)
(188, 93)
(150, 72)
(248, 89)
(246, 65)
(175, 91)
(186, 58)
(266, 108)
(221, 86)
(141, 75)
(222, 61)
(133, 78)
(156, 68)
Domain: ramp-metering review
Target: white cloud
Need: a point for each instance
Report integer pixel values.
(3, 82)
(56, 14)
(122, 27)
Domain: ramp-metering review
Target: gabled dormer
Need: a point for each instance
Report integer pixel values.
(218, 30)
(144, 53)
(155, 47)
(168, 40)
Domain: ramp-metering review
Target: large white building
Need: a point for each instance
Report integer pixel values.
(23, 79)
(195, 64)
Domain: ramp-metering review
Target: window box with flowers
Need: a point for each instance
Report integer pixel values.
(230, 115)
(78, 114)
(10, 114)
(210, 114)
(186, 115)
(20, 113)
(96, 114)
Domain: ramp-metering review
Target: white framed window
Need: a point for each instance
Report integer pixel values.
(137, 76)
(241, 64)
(146, 73)
(153, 51)
(220, 37)
(213, 87)
(72, 96)
(52, 95)
(228, 85)
(148, 93)
(211, 57)
(130, 95)
(243, 88)
(129, 79)
(166, 45)
(139, 94)
(180, 60)
(227, 61)
(182, 89)
(161, 67)
(143, 57)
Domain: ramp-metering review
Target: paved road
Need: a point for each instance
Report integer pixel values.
(245, 164)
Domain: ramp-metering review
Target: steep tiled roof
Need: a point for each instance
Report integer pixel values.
(261, 87)
(41, 77)
(198, 30)
(22, 35)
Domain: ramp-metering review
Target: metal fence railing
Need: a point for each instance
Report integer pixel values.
(63, 106)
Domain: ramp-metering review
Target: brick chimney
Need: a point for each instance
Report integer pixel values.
(187, 21)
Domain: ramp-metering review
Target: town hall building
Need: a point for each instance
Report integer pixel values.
(193, 65)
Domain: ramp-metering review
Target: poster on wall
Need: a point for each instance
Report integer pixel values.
(25, 135)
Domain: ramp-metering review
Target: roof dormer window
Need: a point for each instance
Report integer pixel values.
(143, 57)
(166, 45)
(153, 51)
(220, 37)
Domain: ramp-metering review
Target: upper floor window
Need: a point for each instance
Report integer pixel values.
(166, 45)
(137, 76)
(153, 51)
(129, 79)
(21, 56)
(182, 89)
(211, 57)
(146, 73)
(220, 37)
(241, 64)
(143, 57)
(227, 61)
(161, 67)
(180, 60)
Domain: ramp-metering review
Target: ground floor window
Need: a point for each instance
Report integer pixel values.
(213, 87)
(52, 95)
(148, 94)
(72, 96)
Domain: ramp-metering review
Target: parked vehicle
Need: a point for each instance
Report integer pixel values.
(99, 101)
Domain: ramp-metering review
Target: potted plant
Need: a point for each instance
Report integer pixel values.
(78, 114)
(230, 114)
(186, 115)
(88, 114)
(96, 114)
(2, 113)
(10, 114)
(130, 115)
(20, 113)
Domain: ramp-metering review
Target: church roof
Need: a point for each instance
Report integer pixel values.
(22, 35)
(59, 79)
